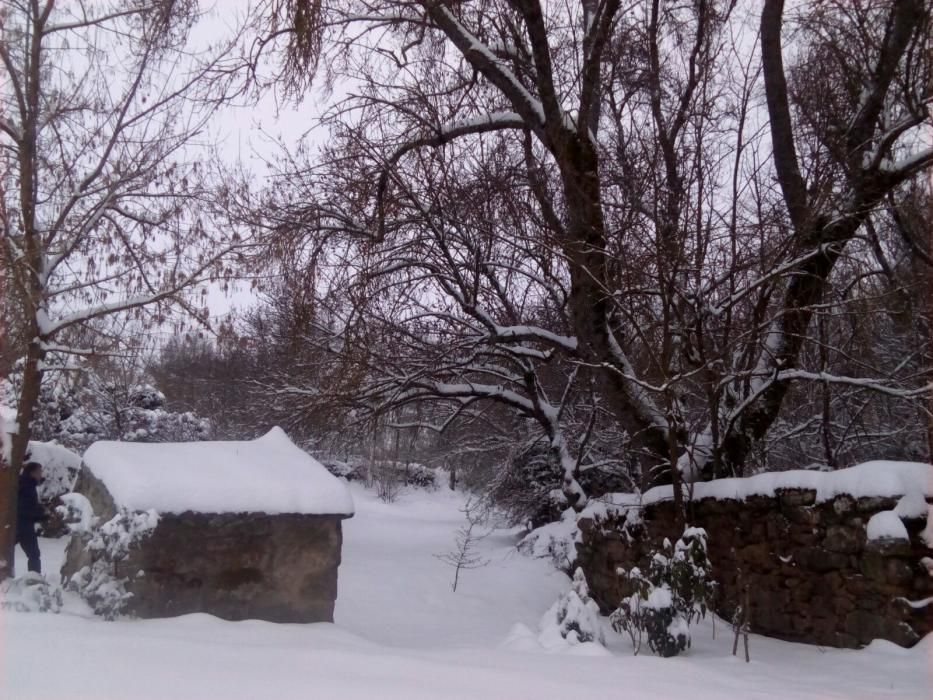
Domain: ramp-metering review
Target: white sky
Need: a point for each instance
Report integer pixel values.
(246, 133)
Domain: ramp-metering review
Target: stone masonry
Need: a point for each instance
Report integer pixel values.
(811, 574)
(237, 566)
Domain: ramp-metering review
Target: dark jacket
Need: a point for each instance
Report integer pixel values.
(28, 509)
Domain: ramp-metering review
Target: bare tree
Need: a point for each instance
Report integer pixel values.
(570, 212)
(99, 106)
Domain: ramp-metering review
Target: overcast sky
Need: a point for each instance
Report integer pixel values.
(246, 132)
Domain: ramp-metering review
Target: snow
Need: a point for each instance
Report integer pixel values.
(911, 505)
(886, 525)
(401, 634)
(679, 628)
(659, 598)
(78, 505)
(927, 534)
(573, 620)
(60, 467)
(8, 428)
(882, 478)
(555, 541)
(266, 475)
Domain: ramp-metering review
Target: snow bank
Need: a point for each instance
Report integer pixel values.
(267, 475)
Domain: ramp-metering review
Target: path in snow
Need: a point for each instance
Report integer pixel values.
(401, 633)
(393, 589)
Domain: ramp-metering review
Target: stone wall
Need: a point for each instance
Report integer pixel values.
(281, 568)
(811, 574)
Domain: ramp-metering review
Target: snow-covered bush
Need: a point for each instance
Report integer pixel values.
(104, 592)
(30, 593)
(133, 414)
(556, 541)
(574, 617)
(351, 471)
(78, 406)
(58, 395)
(109, 544)
(386, 477)
(60, 469)
(675, 591)
(419, 476)
(76, 512)
(650, 612)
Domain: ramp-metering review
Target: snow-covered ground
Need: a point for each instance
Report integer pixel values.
(401, 632)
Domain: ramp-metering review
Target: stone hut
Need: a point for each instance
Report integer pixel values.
(240, 530)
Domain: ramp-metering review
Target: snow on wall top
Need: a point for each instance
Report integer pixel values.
(267, 475)
(882, 478)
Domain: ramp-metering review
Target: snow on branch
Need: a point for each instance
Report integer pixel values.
(484, 60)
(860, 382)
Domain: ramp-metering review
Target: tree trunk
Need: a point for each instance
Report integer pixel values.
(9, 479)
(591, 304)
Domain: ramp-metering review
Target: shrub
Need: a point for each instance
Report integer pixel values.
(675, 591)
(99, 582)
(387, 477)
(574, 617)
(30, 593)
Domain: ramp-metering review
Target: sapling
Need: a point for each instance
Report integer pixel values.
(464, 555)
(741, 618)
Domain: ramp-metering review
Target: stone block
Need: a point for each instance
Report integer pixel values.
(866, 626)
(281, 568)
(796, 497)
(844, 539)
(758, 503)
(802, 515)
(875, 504)
(820, 560)
(898, 572)
(805, 536)
(872, 565)
(889, 547)
(843, 504)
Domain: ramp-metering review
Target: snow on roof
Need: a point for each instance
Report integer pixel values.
(883, 478)
(267, 475)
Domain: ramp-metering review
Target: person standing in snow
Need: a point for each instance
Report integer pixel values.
(29, 512)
